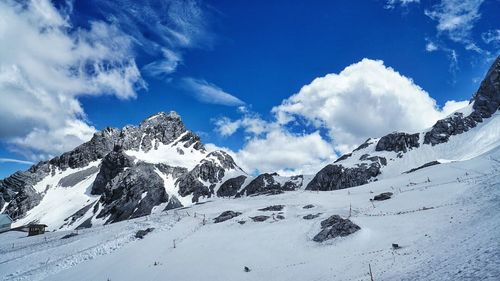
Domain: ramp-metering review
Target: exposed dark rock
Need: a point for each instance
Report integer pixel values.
(241, 222)
(132, 193)
(72, 234)
(453, 125)
(86, 224)
(173, 203)
(335, 226)
(333, 177)
(343, 157)
(487, 98)
(311, 216)
(101, 144)
(143, 232)
(78, 214)
(274, 208)
(210, 170)
(379, 159)
(227, 215)
(266, 184)
(230, 187)
(259, 218)
(112, 164)
(383, 196)
(280, 217)
(308, 206)
(432, 163)
(364, 145)
(486, 103)
(73, 179)
(398, 142)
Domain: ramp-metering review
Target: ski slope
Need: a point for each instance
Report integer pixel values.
(446, 218)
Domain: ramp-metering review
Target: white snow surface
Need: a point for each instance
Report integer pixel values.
(60, 202)
(169, 154)
(448, 229)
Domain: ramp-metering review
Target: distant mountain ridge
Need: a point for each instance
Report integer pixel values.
(160, 165)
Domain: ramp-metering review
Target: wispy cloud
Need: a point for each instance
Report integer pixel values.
(10, 160)
(206, 92)
(47, 62)
(456, 18)
(391, 4)
(491, 36)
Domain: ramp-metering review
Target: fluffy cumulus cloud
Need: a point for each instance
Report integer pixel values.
(209, 93)
(366, 99)
(47, 63)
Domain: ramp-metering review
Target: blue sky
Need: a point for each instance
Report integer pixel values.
(235, 72)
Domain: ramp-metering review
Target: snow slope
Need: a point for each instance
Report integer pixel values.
(484, 137)
(448, 228)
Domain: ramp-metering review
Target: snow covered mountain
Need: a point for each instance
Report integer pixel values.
(118, 175)
(159, 165)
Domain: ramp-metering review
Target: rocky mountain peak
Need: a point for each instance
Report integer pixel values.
(487, 98)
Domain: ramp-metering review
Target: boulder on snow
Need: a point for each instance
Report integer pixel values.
(259, 218)
(143, 232)
(227, 215)
(311, 216)
(335, 226)
(308, 206)
(274, 208)
(383, 196)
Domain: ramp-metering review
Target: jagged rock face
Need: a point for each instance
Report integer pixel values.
(486, 102)
(453, 125)
(189, 184)
(159, 128)
(211, 170)
(173, 203)
(230, 187)
(487, 98)
(17, 190)
(100, 145)
(335, 226)
(265, 183)
(397, 142)
(333, 177)
(132, 193)
(113, 164)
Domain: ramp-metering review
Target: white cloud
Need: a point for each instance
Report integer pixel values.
(47, 64)
(491, 36)
(10, 160)
(284, 152)
(251, 123)
(456, 18)
(366, 99)
(163, 28)
(391, 4)
(431, 47)
(209, 93)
